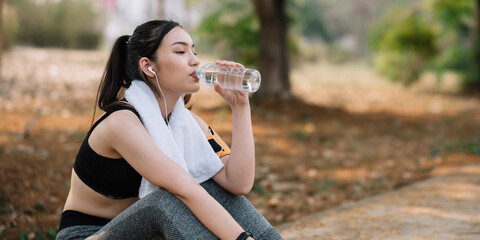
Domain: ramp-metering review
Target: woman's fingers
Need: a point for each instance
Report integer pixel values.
(218, 88)
(229, 63)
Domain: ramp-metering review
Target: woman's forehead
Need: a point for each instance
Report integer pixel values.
(177, 36)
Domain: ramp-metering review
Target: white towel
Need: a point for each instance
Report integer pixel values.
(184, 142)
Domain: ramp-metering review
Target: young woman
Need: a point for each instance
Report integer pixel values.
(139, 175)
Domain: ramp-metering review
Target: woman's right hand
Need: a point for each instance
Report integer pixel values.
(233, 97)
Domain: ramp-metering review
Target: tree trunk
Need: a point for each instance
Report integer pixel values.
(273, 58)
(478, 19)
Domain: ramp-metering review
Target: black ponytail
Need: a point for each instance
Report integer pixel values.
(114, 74)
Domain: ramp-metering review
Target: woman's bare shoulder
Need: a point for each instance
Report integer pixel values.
(122, 119)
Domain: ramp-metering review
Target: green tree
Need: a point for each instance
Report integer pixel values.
(440, 35)
(231, 31)
(459, 39)
(254, 35)
(309, 16)
(404, 42)
(273, 58)
(258, 35)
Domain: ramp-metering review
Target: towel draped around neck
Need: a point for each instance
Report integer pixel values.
(183, 142)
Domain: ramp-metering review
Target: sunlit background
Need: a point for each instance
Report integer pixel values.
(358, 97)
(400, 39)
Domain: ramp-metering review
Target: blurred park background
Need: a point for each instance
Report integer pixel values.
(358, 97)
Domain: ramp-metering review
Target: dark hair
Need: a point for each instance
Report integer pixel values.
(123, 64)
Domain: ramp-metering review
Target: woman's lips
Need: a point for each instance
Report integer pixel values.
(193, 75)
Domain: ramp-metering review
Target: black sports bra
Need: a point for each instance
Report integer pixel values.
(115, 178)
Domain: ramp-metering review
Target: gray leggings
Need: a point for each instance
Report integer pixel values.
(160, 215)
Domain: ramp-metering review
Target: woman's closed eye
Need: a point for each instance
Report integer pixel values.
(183, 52)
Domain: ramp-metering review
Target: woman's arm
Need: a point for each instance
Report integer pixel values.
(134, 144)
(239, 172)
(237, 175)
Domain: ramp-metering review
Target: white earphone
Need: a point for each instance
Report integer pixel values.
(151, 70)
(164, 99)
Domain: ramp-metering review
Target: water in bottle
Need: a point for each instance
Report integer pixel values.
(237, 78)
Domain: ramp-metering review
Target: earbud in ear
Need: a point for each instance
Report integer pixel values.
(151, 70)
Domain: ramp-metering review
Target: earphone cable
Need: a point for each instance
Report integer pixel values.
(164, 100)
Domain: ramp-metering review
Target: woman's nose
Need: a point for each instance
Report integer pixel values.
(195, 61)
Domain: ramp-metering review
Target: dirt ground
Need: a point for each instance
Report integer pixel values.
(346, 136)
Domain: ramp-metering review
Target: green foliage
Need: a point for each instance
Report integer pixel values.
(454, 14)
(232, 30)
(471, 74)
(49, 23)
(434, 34)
(308, 15)
(404, 42)
(460, 47)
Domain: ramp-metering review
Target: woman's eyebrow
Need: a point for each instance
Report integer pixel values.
(183, 43)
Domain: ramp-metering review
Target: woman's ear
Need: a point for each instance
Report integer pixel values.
(144, 65)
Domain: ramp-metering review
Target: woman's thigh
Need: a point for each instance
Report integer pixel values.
(160, 215)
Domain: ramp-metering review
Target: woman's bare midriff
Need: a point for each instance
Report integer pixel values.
(83, 199)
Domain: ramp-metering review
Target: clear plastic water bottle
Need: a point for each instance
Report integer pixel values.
(237, 78)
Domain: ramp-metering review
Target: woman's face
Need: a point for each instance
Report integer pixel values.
(176, 63)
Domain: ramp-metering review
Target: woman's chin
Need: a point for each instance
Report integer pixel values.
(193, 89)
